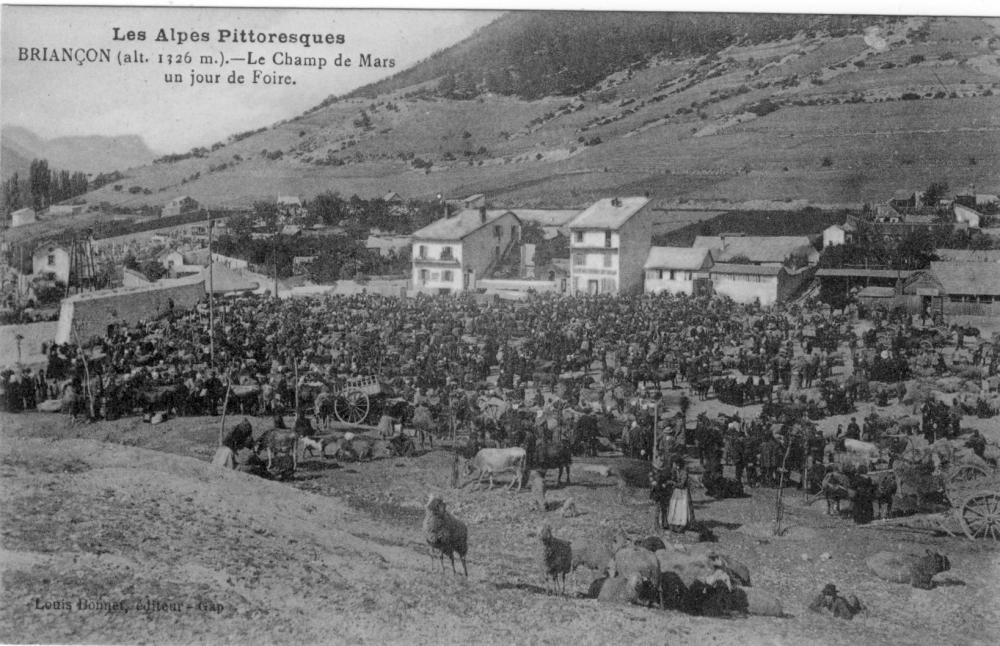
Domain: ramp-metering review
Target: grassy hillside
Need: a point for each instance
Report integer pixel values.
(830, 114)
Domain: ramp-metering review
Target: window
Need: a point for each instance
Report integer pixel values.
(673, 275)
(661, 274)
(446, 253)
(579, 236)
(607, 260)
(607, 239)
(579, 259)
(497, 231)
(423, 252)
(423, 276)
(513, 232)
(688, 275)
(52, 259)
(448, 276)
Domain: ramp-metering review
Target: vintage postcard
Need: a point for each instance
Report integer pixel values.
(441, 325)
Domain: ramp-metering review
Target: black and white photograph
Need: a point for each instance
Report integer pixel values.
(500, 325)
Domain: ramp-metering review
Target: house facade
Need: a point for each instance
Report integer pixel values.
(51, 259)
(767, 284)
(838, 234)
(451, 254)
(609, 244)
(676, 270)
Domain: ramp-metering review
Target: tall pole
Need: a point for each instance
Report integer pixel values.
(211, 298)
(274, 238)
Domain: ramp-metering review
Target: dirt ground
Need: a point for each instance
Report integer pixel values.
(123, 532)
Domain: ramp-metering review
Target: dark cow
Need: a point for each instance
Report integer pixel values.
(551, 455)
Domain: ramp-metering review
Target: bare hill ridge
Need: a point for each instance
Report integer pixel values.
(833, 113)
(90, 154)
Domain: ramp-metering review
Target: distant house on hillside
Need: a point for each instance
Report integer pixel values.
(609, 243)
(21, 217)
(451, 254)
(906, 199)
(170, 258)
(59, 210)
(180, 206)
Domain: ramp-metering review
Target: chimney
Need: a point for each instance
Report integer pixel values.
(482, 215)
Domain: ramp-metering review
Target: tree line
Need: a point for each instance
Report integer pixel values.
(43, 187)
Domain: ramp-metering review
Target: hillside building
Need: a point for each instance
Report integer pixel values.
(838, 234)
(51, 259)
(609, 245)
(967, 215)
(180, 206)
(21, 217)
(451, 254)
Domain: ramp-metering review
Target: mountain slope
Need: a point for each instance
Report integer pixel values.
(90, 154)
(830, 114)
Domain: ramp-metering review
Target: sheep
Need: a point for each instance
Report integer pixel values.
(636, 560)
(556, 558)
(445, 533)
(596, 554)
(619, 589)
(651, 543)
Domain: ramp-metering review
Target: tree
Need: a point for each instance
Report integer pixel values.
(934, 193)
(40, 182)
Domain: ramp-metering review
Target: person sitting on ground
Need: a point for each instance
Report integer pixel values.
(829, 600)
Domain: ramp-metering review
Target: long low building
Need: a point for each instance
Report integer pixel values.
(87, 315)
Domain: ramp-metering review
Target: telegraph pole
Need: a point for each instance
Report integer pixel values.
(211, 297)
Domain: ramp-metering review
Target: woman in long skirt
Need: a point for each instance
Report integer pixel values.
(681, 512)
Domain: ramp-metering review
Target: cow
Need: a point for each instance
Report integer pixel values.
(494, 461)
(551, 455)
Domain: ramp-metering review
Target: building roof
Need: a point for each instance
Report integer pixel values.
(392, 196)
(860, 272)
(690, 258)
(754, 270)
(762, 249)
(972, 278)
(847, 226)
(547, 217)
(968, 255)
(609, 213)
(290, 200)
(462, 224)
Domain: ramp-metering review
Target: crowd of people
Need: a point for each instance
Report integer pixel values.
(597, 367)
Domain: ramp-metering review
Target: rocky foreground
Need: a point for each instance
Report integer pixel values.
(104, 542)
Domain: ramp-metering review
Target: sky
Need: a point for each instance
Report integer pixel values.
(57, 99)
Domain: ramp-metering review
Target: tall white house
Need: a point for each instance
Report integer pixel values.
(451, 254)
(609, 243)
(50, 259)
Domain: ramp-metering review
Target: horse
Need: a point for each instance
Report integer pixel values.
(836, 487)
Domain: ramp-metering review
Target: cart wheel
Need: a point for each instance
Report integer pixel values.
(967, 472)
(351, 406)
(980, 516)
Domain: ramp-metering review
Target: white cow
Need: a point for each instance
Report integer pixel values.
(495, 461)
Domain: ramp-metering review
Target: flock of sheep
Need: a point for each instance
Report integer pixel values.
(646, 571)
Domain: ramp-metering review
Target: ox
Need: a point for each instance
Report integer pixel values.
(495, 461)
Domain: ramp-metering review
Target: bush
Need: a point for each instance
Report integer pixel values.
(917, 58)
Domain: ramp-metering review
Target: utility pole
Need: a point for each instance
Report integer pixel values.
(211, 297)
